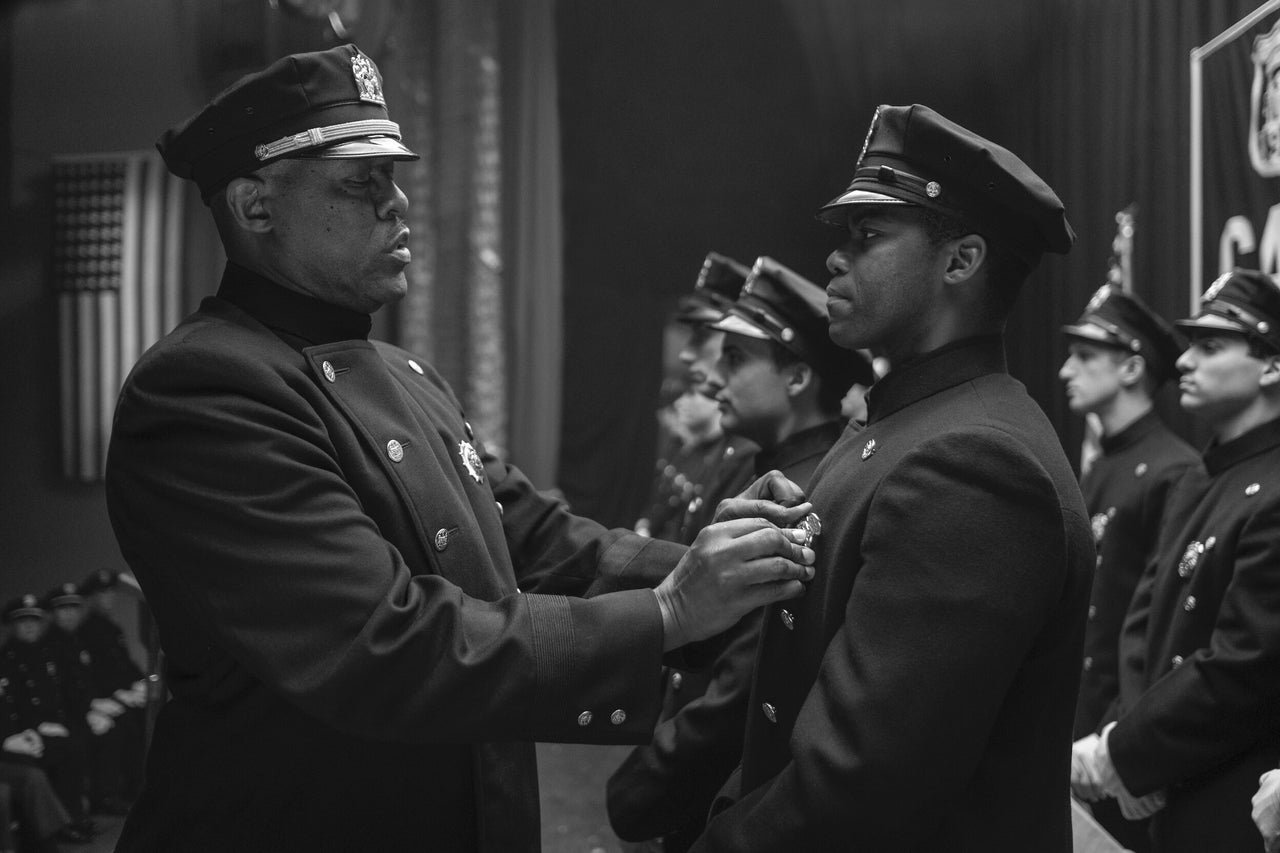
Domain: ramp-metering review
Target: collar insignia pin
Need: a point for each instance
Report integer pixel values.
(869, 449)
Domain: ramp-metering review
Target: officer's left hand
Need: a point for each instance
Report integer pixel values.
(762, 498)
(1266, 810)
(53, 730)
(109, 707)
(732, 568)
(99, 723)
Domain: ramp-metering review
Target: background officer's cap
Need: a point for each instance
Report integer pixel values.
(23, 606)
(1117, 319)
(718, 285)
(328, 104)
(99, 580)
(1243, 301)
(779, 304)
(912, 155)
(63, 596)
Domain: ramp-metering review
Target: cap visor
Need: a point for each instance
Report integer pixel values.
(355, 149)
(1089, 332)
(831, 212)
(1213, 323)
(736, 325)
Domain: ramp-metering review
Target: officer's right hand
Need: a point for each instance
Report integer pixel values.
(25, 743)
(732, 568)
(53, 730)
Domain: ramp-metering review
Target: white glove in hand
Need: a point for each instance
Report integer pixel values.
(109, 707)
(1084, 777)
(25, 743)
(1133, 808)
(53, 730)
(99, 723)
(1266, 810)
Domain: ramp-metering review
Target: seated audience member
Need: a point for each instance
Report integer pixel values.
(115, 689)
(1195, 725)
(46, 709)
(779, 382)
(1118, 354)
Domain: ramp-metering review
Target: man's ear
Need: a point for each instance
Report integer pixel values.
(964, 257)
(1270, 372)
(246, 202)
(1131, 369)
(799, 377)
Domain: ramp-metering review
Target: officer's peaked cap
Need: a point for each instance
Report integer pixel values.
(1243, 301)
(1121, 320)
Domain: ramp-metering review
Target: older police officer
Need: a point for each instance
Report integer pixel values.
(335, 563)
(920, 695)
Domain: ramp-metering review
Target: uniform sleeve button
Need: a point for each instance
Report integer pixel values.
(618, 717)
(1189, 604)
(584, 719)
(1088, 663)
(676, 680)
(1176, 661)
(770, 712)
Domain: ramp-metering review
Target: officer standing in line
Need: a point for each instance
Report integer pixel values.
(693, 476)
(1198, 719)
(920, 695)
(1119, 354)
(780, 382)
(367, 618)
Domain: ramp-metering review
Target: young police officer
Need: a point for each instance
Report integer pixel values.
(1119, 353)
(920, 695)
(1199, 710)
(780, 382)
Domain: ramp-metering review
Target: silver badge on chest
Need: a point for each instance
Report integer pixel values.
(471, 461)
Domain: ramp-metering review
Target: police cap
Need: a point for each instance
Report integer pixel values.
(779, 304)
(914, 156)
(327, 104)
(1243, 301)
(719, 283)
(1120, 320)
(24, 606)
(65, 595)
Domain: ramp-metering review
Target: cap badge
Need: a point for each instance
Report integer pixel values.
(28, 600)
(933, 189)
(1216, 288)
(367, 82)
(1099, 298)
(870, 132)
(471, 461)
(869, 449)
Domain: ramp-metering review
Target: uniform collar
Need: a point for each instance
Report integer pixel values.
(1132, 434)
(1219, 457)
(913, 380)
(297, 319)
(798, 446)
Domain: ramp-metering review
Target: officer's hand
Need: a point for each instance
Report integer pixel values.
(25, 743)
(109, 707)
(1084, 777)
(1137, 808)
(1266, 809)
(99, 723)
(772, 497)
(732, 568)
(53, 730)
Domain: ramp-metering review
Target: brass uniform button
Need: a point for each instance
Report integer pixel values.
(676, 680)
(618, 717)
(584, 719)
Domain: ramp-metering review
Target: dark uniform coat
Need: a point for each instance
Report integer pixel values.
(920, 695)
(1200, 653)
(1125, 493)
(335, 566)
(664, 789)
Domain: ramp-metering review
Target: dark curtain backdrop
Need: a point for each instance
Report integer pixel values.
(724, 125)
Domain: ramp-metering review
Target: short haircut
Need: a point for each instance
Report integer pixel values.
(1005, 271)
(829, 399)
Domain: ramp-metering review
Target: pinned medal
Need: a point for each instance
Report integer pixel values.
(1190, 559)
(812, 527)
(471, 461)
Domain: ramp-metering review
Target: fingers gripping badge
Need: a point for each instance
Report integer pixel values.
(471, 461)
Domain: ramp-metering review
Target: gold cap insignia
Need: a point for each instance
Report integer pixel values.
(367, 81)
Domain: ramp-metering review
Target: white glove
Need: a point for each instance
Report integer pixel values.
(1133, 808)
(109, 707)
(25, 743)
(53, 730)
(1084, 777)
(1266, 810)
(99, 723)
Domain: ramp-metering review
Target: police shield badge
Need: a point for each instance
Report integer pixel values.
(1264, 105)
